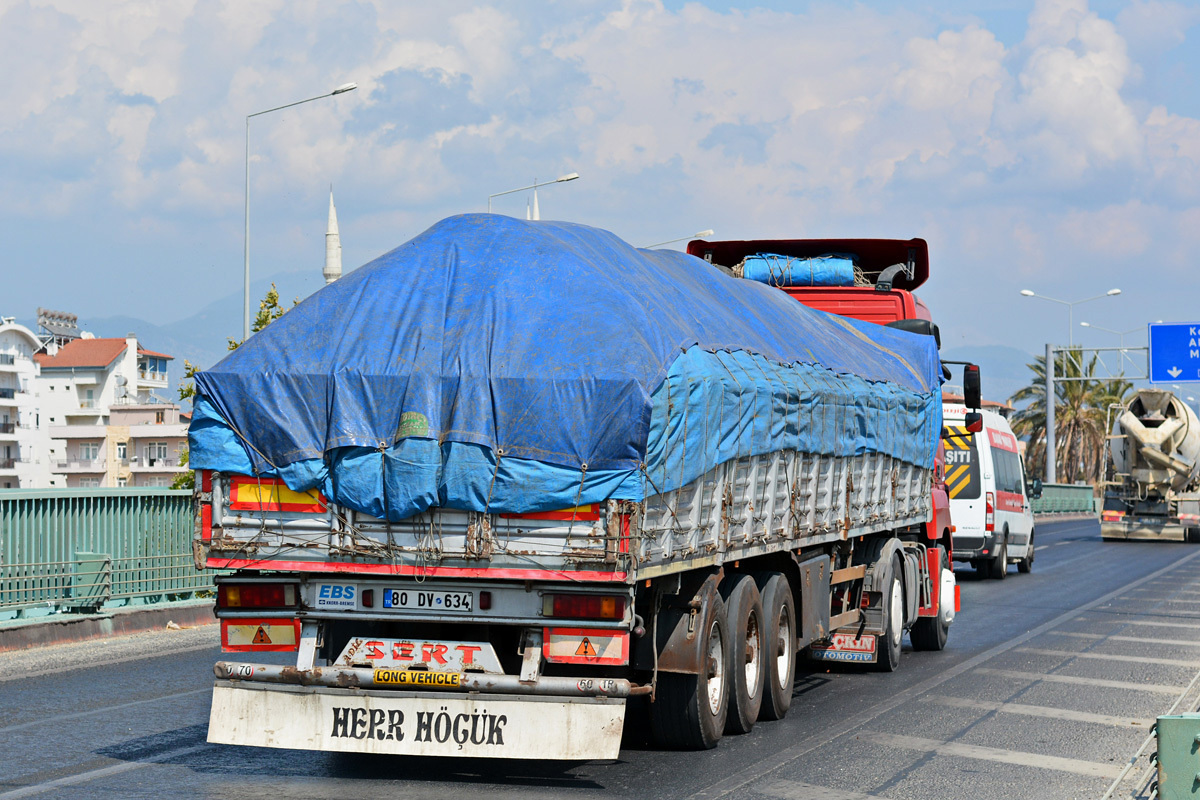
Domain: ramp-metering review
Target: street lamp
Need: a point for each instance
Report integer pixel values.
(1070, 304)
(570, 176)
(1122, 334)
(345, 87)
(697, 235)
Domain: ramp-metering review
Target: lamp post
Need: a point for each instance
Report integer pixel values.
(1070, 304)
(570, 176)
(1122, 334)
(696, 235)
(345, 87)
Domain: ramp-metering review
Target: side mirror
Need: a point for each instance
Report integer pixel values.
(972, 394)
(1034, 490)
(974, 421)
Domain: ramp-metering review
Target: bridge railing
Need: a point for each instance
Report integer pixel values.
(88, 549)
(1065, 498)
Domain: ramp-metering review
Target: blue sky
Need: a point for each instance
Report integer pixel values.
(1051, 145)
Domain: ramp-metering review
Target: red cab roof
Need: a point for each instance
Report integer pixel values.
(873, 256)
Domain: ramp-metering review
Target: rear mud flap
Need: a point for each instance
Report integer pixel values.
(1171, 532)
(415, 723)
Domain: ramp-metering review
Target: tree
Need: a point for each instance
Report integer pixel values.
(1080, 415)
(269, 310)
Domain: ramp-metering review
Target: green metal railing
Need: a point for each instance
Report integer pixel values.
(85, 549)
(1065, 498)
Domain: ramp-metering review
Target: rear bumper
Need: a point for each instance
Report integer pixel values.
(968, 547)
(1172, 531)
(415, 723)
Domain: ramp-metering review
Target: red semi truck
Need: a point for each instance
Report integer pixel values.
(525, 635)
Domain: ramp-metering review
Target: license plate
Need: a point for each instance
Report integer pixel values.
(423, 600)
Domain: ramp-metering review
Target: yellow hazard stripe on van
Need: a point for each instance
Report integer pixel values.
(957, 479)
(959, 439)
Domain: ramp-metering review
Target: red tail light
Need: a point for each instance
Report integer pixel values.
(989, 518)
(257, 595)
(584, 606)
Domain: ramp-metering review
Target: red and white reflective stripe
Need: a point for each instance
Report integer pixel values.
(989, 518)
(206, 506)
(216, 562)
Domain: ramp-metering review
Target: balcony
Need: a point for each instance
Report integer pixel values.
(77, 432)
(169, 464)
(8, 427)
(8, 464)
(8, 362)
(95, 465)
(7, 393)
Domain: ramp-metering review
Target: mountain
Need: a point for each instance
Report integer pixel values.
(1003, 370)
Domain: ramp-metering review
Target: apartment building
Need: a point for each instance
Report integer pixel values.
(106, 425)
(24, 442)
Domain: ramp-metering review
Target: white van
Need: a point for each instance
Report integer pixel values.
(989, 499)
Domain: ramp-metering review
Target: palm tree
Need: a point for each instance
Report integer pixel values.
(1080, 415)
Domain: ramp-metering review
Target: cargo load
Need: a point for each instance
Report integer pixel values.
(495, 365)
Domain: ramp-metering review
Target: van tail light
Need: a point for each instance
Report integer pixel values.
(584, 606)
(258, 595)
(989, 517)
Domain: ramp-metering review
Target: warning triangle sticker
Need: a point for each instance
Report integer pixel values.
(261, 636)
(586, 649)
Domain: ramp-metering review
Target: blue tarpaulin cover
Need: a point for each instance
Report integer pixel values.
(777, 270)
(512, 366)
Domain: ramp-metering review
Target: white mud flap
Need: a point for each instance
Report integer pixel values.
(415, 723)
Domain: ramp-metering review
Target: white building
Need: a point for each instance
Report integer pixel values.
(106, 426)
(24, 443)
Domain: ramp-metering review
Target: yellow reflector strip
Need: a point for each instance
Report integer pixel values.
(411, 677)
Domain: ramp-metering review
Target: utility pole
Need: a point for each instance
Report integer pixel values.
(1051, 456)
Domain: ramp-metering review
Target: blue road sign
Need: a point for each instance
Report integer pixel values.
(1174, 352)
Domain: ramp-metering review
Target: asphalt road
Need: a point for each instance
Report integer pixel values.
(1050, 681)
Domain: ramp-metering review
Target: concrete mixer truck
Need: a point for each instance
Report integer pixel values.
(1154, 488)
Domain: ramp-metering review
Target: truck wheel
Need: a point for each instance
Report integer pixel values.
(689, 711)
(747, 671)
(998, 567)
(887, 644)
(930, 633)
(779, 613)
(1025, 565)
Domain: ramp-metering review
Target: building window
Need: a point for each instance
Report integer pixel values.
(89, 483)
(89, 451)
(156, 454)
(89, 399)
(123, 451)
(160, 417)
(122, 483)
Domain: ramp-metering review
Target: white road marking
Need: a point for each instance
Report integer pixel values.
(95, 774)
(1160, 624)
(1169, 662)
(103, 710)
(1040, 547)
(756, 769)
(1017, 757)
(1034, 677)
(795, 790)
(1137, 639)
(1043, 711)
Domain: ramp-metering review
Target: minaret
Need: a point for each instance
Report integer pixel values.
(333, 246)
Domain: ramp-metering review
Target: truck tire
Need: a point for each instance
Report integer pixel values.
(887, 644)
(746, 673)
(689, 711)
(779, 613)
(998, 566)
(1025, 565)
(930, 633)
